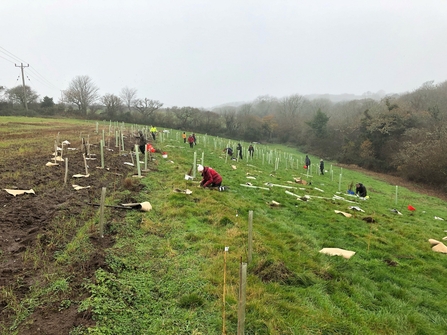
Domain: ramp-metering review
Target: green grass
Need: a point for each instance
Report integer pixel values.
(164, 274)
(167, 267)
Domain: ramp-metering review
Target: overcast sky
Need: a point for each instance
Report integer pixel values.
(210, 52)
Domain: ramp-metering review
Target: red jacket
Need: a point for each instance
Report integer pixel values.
(191, 139)
(210, 176)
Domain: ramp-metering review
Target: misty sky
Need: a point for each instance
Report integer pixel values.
(206, 53)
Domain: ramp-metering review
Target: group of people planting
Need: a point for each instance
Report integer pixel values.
(212, 179)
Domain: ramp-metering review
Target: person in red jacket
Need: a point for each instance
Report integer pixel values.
(191, 141)
(210, 177)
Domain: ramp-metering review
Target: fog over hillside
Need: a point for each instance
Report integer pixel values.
(332, 97)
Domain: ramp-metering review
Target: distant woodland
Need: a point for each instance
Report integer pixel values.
(404, 135)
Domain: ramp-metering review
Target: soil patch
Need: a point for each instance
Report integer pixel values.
(30, 222)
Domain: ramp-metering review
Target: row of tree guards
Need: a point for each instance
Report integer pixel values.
(268, 156)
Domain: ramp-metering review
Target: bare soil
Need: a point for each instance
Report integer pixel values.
(29, 223)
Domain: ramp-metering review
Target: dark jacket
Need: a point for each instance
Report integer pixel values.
(360, 190)
(307, 161)
(210, 177)
(229, 151)
(142, 139)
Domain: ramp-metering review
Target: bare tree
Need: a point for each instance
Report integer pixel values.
(128, 95)
(82, 92)
(113, 104)
(147, 106)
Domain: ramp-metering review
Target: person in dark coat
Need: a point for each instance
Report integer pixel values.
(210, 178)
(251, 150)
(195, 139)
(239, 149)
(322, 166)
(229, 151)
(141, 142)
(360, 190)
(307, 161)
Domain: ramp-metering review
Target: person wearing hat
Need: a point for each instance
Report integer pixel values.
(210, 178)
(360, 190)
(322, 166)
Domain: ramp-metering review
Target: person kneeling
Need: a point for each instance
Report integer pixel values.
(210, 178)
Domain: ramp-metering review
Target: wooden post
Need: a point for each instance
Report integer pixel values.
(101, 212)
(250, 235)
(396, 195)
(241, 305)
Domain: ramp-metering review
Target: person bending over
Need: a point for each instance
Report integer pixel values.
(360, 190)
(210, 178)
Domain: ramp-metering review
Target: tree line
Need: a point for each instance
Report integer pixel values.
(403, 134)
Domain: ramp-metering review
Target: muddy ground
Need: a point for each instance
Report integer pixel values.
(29, 223)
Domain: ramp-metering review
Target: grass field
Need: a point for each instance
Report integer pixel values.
(164, 273)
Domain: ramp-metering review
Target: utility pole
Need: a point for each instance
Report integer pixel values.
(23, 82)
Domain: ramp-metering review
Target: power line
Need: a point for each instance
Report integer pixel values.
(7, 59)
(36, 74)
(13, 56)
(40, 81)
